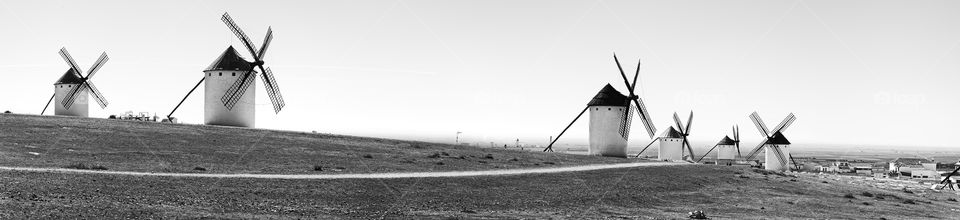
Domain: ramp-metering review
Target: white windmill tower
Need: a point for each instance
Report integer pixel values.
(777, 147)
(72, 89)
(727, 149)
(673, 141)
(611, 116)
(229, 91)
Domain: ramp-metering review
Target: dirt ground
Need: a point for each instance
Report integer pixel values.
(636, 193)
(667, 192)
(50, 141)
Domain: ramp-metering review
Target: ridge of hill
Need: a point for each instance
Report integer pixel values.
(68, 142)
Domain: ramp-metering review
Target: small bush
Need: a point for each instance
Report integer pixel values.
(317, 168)
(866, 203)
(849, 196)
(434, 155)
(867, 194)
(549, 163)
(7, 112)
(82, 166)
(515, 159)
(951, 199)
(200, 169)
(488, 156)
(368, 156)
(909, 201)
(905, 190)
(444, 153)
(824, 181)
(439, 163)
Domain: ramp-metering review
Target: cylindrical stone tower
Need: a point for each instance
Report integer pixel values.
(71, 79)
(671, 145)
(219, 77)
(726, 149)
(609, 123)
(777, 143)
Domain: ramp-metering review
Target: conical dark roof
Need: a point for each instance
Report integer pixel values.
(726, 141)
(608, 96)
(230, 60)
(671, 133)
(778, 139)
(70, 77)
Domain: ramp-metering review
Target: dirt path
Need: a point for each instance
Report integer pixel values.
(359, 175)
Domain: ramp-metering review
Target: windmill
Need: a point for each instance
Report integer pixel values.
(948, 182)
(72, 88)
(230, 80)
(673, 140)
(729, 149)
(611, 115)
(777, 146)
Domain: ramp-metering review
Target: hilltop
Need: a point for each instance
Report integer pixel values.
(53, 141)
(641, 192)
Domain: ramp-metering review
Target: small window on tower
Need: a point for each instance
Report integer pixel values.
(608, 109)
(233, 74)
(221, 74)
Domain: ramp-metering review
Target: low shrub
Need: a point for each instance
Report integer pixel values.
(82, 166)
(909, 201)
(200, 169)
(317, 168)
(849, 196)
(867, 194)
(368, 156)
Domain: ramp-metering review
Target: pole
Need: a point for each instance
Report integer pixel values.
(48, 103)
(185, 97)
(648, 145)
(550, 146)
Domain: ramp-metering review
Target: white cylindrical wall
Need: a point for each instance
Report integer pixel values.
(671, 149)
(772, 162)
(80, 105)
(605, 139)
(726, 152)
(215, 85)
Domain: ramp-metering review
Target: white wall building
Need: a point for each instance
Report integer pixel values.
(609, 123)
(671, 145)
(71, 79)
(219, 77)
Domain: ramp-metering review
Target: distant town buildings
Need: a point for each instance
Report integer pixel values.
(917, 168)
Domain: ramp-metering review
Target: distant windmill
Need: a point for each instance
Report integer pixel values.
(610, 118)
(777, 146)
(230, 89)
(71, 89)
(673, 140)
(458, 137)
(729, 149)
(947, 182)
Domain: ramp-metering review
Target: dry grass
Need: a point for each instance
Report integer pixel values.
(646, 192)
(156, 147)
(654, 192)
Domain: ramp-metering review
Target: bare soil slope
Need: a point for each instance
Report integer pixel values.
(666, 192)
(51, 141)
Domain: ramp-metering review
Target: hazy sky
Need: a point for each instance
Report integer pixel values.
(854, 72)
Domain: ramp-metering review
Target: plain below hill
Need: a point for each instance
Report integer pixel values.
(90, 143)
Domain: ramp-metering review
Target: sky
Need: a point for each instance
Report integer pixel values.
(858, 73)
